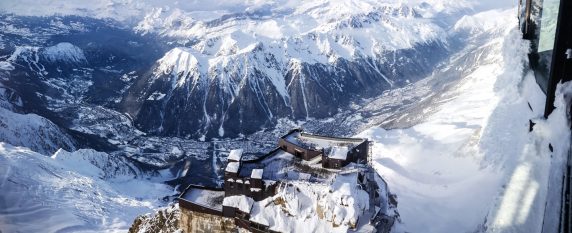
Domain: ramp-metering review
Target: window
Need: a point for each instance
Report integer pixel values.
(548, 24)
(541, 19)
(546, 37)
(298, 153)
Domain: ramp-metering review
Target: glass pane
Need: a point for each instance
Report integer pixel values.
(546, 17)
(548, 25)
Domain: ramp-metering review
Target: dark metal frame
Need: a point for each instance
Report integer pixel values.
(561, 66)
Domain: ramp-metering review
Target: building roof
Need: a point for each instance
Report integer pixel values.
(235, 155)
(275, 165)
(241, 202)
(204, 197)
(257, 173)
(339, 152)
(232, 167)
(318, 142)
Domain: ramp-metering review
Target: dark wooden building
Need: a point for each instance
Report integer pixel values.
(336, 152)
(252, 186)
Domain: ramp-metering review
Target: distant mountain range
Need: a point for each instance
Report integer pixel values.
(218, 73)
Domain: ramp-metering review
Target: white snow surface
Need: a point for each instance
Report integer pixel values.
(205, 197)
(312, 207)
(472, 165)
(339, 152)
(40, 194)
(32, 131)
(96, 164)
(257, 173)
(240, 202)
(233, 167)
(235, 155)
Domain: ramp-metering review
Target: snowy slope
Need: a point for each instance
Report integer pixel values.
(41, 194)
(164, 220)
(471, 165)
(307, 207)
(33, 131)
(97, 164)
(54, 74)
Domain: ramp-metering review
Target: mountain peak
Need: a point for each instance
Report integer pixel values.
(64, 52)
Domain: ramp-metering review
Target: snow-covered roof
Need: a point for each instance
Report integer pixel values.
(339, 152)
(235, 155)
(304, 176)
(318, 142)
(256, 173)
(204, 197)
(232, 167)
(268, 183)
(241, 202)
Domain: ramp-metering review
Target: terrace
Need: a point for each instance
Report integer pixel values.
(282, 166)
(317, 142)
(202, 199)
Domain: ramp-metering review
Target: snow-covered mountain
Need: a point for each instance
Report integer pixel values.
(181, 70)
(242, 71)
(34, 132)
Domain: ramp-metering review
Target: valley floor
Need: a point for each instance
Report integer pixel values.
(472, 165)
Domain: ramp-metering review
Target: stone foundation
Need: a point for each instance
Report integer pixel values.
(192, 221)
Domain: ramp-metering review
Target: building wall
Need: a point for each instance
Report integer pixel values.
(332, 163)
(242, 188)
(359, 153)
(193, 221)
(184, 204)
